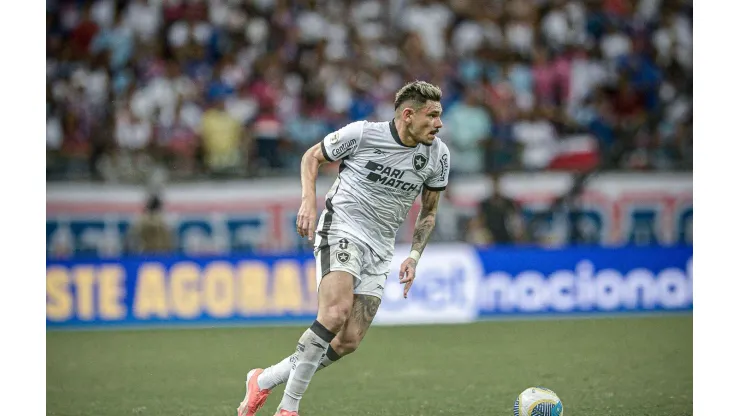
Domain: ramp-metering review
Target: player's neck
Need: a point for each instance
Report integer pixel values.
(404, 134)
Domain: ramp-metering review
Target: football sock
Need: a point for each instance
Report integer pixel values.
(310, 350)
(278, 374)
(329, 358)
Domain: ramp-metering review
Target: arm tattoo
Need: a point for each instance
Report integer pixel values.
(425, 222)
(363, 311)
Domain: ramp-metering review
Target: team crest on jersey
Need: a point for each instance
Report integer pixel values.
(420, 162)
(343, 256)
(334, 138)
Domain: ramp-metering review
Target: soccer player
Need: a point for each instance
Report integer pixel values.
(384, 166)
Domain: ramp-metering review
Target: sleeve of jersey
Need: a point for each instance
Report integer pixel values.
(438, 181)
(343, 142)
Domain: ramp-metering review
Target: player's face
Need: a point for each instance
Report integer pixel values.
(426, 122)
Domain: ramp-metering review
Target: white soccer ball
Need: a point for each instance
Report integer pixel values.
(538, 401)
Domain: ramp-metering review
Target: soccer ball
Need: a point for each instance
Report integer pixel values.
(538, 401)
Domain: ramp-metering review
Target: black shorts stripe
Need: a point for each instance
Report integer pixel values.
(324, 254)
(324, 250)
(325, 259)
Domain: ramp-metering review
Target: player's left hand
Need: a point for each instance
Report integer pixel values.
(407, 275)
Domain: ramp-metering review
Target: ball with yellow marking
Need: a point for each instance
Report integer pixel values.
(538, 401)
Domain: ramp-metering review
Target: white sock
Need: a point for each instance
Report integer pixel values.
(311, 349)
(278, 374)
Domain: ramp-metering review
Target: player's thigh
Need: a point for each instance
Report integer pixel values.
(336, 287)
(368, 294)
(364, 309)
(338, 263)
(335, 299)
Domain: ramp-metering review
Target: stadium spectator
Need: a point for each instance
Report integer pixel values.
(499, 219)
(472, 125)
(535, 132)
(224, 140)
(150, 234)
(177, 143)
(447, 227)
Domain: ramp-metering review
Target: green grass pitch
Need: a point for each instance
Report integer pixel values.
(626, 366)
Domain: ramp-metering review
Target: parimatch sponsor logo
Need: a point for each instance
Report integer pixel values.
(389, 177)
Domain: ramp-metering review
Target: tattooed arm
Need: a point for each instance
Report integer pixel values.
(426, 220)
(422, 232)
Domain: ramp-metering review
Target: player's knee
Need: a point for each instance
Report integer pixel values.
(336, 315)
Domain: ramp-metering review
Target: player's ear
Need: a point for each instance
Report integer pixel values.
(407, 113)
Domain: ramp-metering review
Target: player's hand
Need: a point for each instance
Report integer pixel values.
(407, 275)
(306, 220)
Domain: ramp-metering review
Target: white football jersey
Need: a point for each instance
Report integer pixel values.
(379, 179)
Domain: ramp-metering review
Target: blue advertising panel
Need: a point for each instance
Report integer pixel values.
(173, 291)
(585, 280)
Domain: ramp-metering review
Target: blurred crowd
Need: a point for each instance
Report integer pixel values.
(224, 88)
